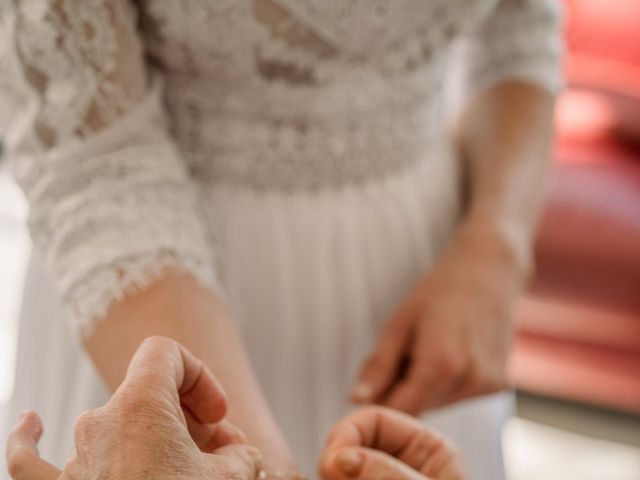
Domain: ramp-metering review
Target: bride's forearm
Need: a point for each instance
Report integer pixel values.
(179, 308)
(505, 136)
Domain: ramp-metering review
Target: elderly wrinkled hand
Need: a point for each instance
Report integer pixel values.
(377, 443)
(166, 421)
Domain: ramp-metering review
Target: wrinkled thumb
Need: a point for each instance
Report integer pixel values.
(23, 461)
(359, 463)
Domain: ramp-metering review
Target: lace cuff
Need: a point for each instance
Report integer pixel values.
(112, 205)
(113, 212)
(112, 218)
(521, 39)
(89, 301)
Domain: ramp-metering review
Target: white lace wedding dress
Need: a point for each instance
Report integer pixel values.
(289, 153)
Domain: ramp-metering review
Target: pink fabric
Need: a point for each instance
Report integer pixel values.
(579, 328)
(579, 321)
(588, 242)
(605, 29)
(604, 58)
(587, 373)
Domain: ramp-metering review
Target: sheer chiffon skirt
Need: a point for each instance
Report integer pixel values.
(309, 277)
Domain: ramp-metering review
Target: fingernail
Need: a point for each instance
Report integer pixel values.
(349, 462)
(34, 422)
(362, 392)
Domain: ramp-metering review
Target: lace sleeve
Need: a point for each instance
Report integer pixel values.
(111, 203)
(8, 94)
(519, 39)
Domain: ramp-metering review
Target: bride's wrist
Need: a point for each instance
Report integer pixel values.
(506, 245)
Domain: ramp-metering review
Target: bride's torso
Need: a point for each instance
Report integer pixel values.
(304, 93)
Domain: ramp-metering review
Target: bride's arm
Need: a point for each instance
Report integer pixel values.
(455, 326)
(505, 138)
(113, 209)
(514, 73)
(179, 308)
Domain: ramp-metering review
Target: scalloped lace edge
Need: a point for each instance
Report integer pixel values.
(90, 300)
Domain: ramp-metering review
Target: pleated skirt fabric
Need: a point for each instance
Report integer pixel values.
(310, 277)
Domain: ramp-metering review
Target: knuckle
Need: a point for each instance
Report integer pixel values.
(249, 456)
(84, 425)
(419, 444)
(89, 425)
(239, 462)
(369, 411)
(412, 401)
(438, 443)
(375, 364)
(450, 365)
(233, 470)
(129, 404)
(158, 342)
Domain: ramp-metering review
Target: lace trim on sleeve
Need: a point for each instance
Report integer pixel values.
(112, 224)
(521, 39)
(112, 203)
(90, 300)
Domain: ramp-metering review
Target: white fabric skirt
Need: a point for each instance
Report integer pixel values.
(310, 279)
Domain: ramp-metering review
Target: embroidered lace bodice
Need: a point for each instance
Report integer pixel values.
(127, 108)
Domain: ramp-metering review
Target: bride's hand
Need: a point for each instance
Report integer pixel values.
(450, 339)
(379, 443)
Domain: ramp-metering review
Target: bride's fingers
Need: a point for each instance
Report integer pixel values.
(380, 370)
(23, 460)
(423, 387)
(358, 463)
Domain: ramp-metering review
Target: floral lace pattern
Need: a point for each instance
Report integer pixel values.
(130, 105)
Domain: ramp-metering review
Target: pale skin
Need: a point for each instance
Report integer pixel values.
(178, 307)
(166, 421)
(450, 338)
(459, 315)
